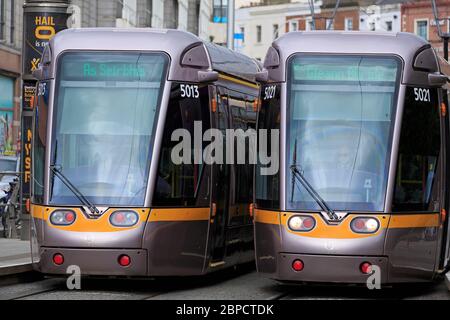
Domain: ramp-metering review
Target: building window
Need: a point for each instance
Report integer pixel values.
(421, 28)
(220, 11)
(242, 34)
(127, 11)
(348, 24)
(148, 13)
(293, 26)
(119, 9)
(329, 24)
(13, 22)
(2, 20)
(309, 25)
(171, 14)
(6, 114)
(388, 25)
(276, 32)
(258, 34)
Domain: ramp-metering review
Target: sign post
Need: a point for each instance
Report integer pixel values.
(42, 20)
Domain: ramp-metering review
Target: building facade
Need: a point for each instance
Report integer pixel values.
(258, 25)
(346, 17)
(188, 15)
(384, 15)
(11, 17)
(418, 18)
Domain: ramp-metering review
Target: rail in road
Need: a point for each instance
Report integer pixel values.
(241, 284)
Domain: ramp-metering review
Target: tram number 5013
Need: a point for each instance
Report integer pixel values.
(189, 91)
(422, 95)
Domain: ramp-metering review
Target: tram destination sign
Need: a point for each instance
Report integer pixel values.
(112, 70)
(324, 72)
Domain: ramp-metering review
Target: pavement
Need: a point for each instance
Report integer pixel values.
(15, 256)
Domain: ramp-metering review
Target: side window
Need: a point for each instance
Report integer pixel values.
(39, 140)
(418, 151)
(268, 186)
(243, 169)
(184, 184)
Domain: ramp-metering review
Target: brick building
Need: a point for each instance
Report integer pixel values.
(347, 18)
(10, 71)
(418, 18)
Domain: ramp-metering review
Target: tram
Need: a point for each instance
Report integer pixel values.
(108, 195)
(362, 193)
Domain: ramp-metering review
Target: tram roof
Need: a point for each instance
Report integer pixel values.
(400, 43)
(406, 45)
(173, 42)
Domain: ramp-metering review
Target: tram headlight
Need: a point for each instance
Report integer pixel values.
(365, 225)
(301, 223)
(124, 218)
(63, 217)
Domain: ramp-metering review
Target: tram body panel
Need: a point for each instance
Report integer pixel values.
(334, 240)
(176, 241)
(89, 233)
(410, 237)
(94, 261)
(268, 241)
(175, 229)
(412, 245)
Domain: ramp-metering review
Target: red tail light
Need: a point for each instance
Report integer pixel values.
(58, 259)
(298, 265)
(366, 267)
(124, 260)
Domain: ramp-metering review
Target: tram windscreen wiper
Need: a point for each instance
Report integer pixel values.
(297, 174)
(57, 172)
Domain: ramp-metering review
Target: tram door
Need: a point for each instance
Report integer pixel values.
(446, 233)
(221, 183)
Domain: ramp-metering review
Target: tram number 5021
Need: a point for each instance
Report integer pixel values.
(269, 92)
(422, 95)
(189, 91)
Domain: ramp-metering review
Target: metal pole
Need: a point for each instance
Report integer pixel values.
(230, 25)
(443, 35)
(41, 20)
(446, 48)
(436, 17)
(313, 16)
(336, 7)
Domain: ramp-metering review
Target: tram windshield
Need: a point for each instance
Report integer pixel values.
(104, 117)
(340, 123)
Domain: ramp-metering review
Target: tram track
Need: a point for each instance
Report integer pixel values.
(221, 287)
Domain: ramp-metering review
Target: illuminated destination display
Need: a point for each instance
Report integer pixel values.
(113, 70)
(112, 66)
(333, 72)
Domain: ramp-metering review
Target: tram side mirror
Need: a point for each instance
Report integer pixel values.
(262, 76)
(38, 73)
(207, 76)
(437, 79)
